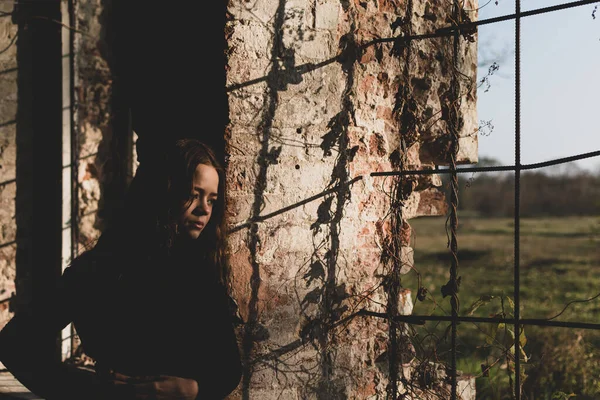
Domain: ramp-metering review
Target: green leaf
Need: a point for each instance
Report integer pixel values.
(479, 302)
(522, 338)
(489, 339)
(511, 303)
(512, 334)
(525, 358)
(562, 396)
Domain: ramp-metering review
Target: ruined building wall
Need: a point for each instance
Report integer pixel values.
(314, 110)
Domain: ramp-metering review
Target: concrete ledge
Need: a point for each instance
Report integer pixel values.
(10, 388)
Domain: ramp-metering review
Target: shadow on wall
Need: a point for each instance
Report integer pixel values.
(253, 331)
(323, 306)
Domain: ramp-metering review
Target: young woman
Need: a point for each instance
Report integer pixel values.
(148, 301)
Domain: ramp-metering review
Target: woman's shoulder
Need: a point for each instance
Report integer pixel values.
(92, 267)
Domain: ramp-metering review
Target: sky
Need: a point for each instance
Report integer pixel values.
(560, 83)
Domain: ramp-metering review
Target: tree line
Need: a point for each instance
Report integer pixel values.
(559, 191)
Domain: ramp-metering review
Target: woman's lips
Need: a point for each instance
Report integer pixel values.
(198, 225)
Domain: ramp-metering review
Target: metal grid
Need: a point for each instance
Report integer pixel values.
(456, 32)
(452, 287)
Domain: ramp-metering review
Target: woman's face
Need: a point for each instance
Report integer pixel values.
(204, 195)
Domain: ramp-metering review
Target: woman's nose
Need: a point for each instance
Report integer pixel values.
(201, 208)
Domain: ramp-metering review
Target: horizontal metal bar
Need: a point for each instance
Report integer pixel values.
(509, 17)
(561, 160)
(11, 243)
(492, 168)
(261, 218)
(450, 30)
(421, 319)
(2, 124)
(441, 32)
(557, 161)
(7, 182)
(8, 71)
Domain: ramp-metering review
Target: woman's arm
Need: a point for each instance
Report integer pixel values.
(223, 372)
(27, 343)
(24, 352)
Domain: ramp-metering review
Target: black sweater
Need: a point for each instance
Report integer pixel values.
(137, 318)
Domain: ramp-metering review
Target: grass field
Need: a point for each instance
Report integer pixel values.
(559, 263)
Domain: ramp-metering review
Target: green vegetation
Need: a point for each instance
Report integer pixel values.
(542, 194)
(559, 263)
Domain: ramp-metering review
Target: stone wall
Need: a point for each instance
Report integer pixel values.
(315, 107)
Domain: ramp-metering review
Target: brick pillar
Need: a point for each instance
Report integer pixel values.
(313, 108)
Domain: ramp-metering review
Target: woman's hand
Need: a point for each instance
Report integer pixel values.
(154, 387)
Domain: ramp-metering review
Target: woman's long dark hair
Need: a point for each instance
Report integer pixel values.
(182, 161)
(147, 226)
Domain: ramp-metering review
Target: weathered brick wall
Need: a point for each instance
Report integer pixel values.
(8, 150)
(311, 108)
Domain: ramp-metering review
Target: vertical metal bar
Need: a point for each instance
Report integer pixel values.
(396, 358)
(517, 195)
(453, 121)
(74, 137)
(393, 294)
(74, 143)
(66, 333)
